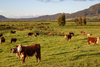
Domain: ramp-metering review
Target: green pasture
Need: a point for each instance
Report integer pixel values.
(56, 51)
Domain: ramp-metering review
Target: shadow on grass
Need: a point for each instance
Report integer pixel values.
(82, 56)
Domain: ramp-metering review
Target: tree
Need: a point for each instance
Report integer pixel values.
(61, 20)
(58, 21)
(80, 20)
(76, 21)
(84, 20)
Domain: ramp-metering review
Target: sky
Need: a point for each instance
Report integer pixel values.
(35, 8)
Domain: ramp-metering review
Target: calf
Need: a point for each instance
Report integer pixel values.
(12, 31)
(68, 37)
(2, 40)
(1, 34)
(94, 40)
(29, 34)
(29, 51)
(13, 40)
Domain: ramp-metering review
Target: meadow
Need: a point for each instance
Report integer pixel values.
(56, 51)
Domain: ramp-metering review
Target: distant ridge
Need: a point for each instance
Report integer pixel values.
(92, 11)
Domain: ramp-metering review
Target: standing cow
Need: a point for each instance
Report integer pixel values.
(29, 51)
(94, 40)
(13, 40)
(2, 40)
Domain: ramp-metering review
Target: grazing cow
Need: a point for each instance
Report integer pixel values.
(15, 51)
(1, 34)
(2, 40)
(29, 51)
(29, 34)
(30, 29)
(68, 37)
(87, 34)
(70, 33)
(20, 29)
(13, 40)
(12, 31)
(94, 40)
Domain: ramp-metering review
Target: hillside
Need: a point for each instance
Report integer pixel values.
(92, 11)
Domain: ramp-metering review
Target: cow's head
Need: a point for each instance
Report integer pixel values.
(14, 50)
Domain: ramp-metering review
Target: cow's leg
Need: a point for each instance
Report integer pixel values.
(88, 43)
(23, 57)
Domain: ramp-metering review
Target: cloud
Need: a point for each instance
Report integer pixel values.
(24, 16)
(1, 11)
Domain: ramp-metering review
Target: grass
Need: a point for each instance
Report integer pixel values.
(55, 50)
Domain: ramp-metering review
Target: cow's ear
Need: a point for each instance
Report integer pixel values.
(17, 46)
(11, 49)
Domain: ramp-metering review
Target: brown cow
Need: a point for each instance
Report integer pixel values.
(12, 31)
(71, 33)
(29, 34)
(29, 51)
(2, 40)
(94, 40)
(68, 37)
(87, 34)
(1, 34)
(13, 40)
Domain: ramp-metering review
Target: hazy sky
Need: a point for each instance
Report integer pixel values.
(31, 8)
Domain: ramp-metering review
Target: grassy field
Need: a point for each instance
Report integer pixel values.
(56, 51)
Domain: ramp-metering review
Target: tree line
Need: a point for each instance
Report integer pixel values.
(61, 20)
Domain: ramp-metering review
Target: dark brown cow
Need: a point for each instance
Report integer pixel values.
(71, 33)
(94, 40)
(82, 32)
(13, 40)
(29, 34)
(29, 51)
(2, 40)
(68, 37)
(12, 31)
(1, 34)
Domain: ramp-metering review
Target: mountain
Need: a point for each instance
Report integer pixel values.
(2, 17)
(92, 11)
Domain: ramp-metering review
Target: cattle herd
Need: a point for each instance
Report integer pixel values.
(24, 51)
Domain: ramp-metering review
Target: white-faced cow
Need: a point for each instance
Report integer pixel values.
(68, 37)
(29, 51)
(94, 40)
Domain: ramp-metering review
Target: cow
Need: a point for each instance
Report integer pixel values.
(68, 37)
(1, 34)
(15, 51)
(12, 32)
(29, 34)
(71, 33)
(29, 51)
(21, 29)
(94, 40)
(13, 40)
(2, 40)
(87, 34)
